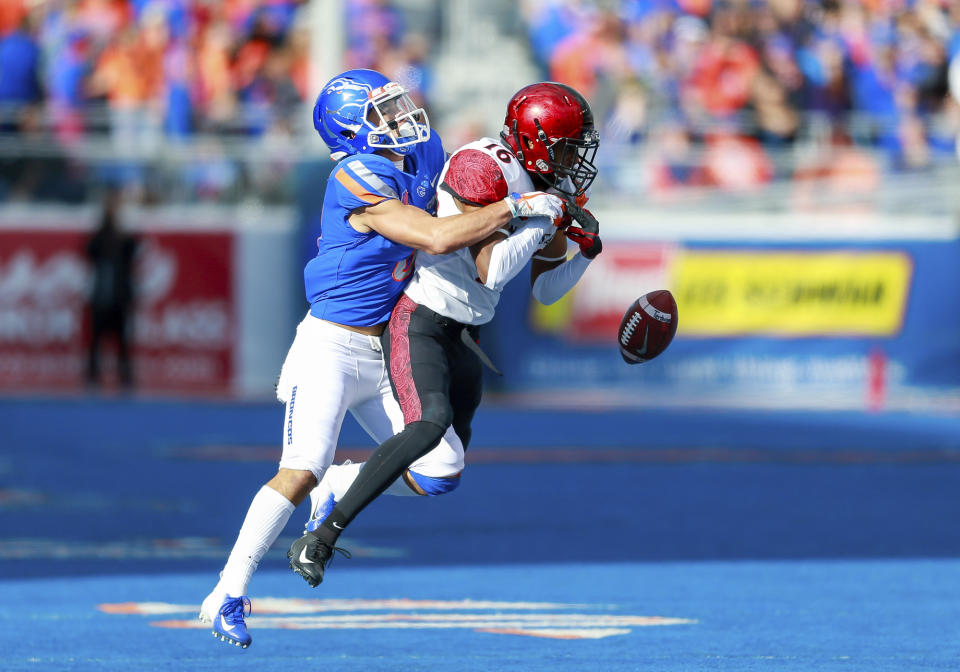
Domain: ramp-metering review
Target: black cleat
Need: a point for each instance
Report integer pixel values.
(309, 556)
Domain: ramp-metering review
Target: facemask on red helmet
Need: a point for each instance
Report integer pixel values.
(549, 127)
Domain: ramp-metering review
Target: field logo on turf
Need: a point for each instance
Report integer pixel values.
(533, 619)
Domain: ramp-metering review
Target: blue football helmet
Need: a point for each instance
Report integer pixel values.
(361, 111)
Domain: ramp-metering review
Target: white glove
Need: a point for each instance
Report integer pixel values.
(536, 204)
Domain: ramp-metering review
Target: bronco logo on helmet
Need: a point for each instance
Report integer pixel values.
(361, 111)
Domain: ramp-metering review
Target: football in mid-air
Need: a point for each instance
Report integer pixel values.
(647, 327)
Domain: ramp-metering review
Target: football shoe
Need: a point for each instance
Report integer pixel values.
(229, 624)
(309, 556)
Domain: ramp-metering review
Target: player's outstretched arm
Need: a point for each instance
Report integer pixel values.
(411, 226)
(552, 275)
(549, 258)
(501, 258)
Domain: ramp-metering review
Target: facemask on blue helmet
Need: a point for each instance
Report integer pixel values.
(361, 111)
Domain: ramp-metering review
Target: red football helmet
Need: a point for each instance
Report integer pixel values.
(549, 126)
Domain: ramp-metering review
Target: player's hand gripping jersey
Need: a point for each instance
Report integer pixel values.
(448, 284)
(355, 278)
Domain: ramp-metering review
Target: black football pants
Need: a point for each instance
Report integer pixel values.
(438, 381)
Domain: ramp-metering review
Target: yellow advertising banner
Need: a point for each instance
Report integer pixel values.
(743, 292)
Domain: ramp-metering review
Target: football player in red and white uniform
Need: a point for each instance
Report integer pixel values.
(548, 142)
(376, 210)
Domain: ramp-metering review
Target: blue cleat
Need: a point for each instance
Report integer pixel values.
(320, 514)
(229, 625)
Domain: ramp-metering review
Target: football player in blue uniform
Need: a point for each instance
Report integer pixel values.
(430, 345)
(377, 210)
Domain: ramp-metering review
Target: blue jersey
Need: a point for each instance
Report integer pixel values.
(356, 278)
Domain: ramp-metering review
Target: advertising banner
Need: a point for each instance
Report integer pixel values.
(792, 294)
(183, 325)
(831, 324)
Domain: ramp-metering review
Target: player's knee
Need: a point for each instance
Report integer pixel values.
(426, 434)
(435, 408)
(433, 485)
(294, 484)
(464, 432)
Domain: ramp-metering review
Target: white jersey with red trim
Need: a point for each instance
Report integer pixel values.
(448, 283)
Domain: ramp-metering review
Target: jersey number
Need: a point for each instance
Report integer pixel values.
(501, 153)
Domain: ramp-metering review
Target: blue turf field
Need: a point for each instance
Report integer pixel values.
(750, 542)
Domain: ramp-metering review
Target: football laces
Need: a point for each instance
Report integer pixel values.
(630, 328)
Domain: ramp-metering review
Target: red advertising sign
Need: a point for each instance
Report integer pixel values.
(613, 282)
(183, 324)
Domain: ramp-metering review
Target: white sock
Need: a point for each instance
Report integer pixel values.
(268, 514)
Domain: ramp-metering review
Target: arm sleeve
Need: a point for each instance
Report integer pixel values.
(553, 284)
(511, 254)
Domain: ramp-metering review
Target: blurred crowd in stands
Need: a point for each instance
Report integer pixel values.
(177, 66)
(740, 83)
(144, 72)
(152, 72)
(710, 92)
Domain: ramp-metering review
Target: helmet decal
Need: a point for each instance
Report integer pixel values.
(549, 126)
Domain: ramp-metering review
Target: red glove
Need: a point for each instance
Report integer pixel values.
(582, 218)
(590, 243)
(586, 233)
(575, 205)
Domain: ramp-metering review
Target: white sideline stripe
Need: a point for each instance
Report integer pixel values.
(571, 626)
(495, 617)
(281, 605)
(561, 633)
(459, 621)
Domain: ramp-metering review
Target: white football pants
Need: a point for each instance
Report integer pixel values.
(328, 371)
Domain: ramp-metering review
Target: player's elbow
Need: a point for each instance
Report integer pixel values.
(494, 280)
(432, 244)
(445, 249)
(545, 300)
(439, 249)
(440, 244)
(541, 294)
